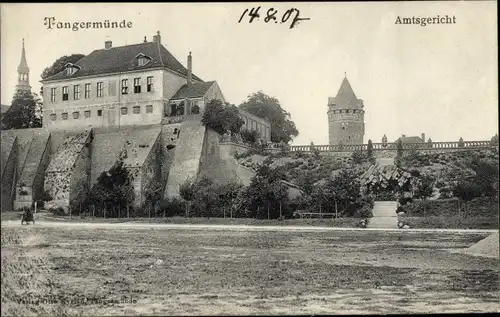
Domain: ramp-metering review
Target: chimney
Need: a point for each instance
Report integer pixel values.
(145, 40)
(403, 135)
(423, 137)
(157, 37)
(107, 45)
(190, 70)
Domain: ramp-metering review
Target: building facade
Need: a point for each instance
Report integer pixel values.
(346, 117)
(114, 87)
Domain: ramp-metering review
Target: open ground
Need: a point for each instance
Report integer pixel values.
(176, 270)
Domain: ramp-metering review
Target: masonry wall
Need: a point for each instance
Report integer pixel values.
(218, 162)
(151, 170)
(346, 128)
(80, 174)
(9, 178)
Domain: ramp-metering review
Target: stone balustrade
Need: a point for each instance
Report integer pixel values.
(381, 146)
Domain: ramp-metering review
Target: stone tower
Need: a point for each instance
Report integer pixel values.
(23, 71)
(346, 117)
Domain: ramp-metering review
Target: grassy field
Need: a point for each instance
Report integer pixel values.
(325, 222)
(208, 272)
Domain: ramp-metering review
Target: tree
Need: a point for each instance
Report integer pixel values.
(222, 118)
(25, 112)
(186, 190)
(494, 140)
(153, 192)
(369, 151)
(266, 107)
(399, 147)
(60, 64)
(466, 192)
(267, 193)
(113, 188)
(249, 136)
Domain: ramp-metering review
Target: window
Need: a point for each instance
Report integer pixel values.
(141, 61)
(149, 84)
(86, 113)
(65, 93)
(53, 116)
(52, 94)
(99, 89)
(76, 92)
(136, 109)
(99, 113)
(70, 70)
(149, 108)
(179, 110)
(124, 110)
(64, 116)
(137, 85)
(195, 109)
(87, 91)
(76, 115)
(124, 86)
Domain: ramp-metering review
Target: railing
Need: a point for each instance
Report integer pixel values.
(384, 146)
(376, 146)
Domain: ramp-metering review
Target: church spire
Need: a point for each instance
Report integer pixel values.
(23, 72)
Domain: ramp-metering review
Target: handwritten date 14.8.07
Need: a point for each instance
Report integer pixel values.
(272, 16)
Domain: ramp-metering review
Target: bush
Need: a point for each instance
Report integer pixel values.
(172, 207)
(249, 136)
(58, 211)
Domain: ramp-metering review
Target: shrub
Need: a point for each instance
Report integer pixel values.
(57, 211)
(222, 118)
(172, 207)
(249, 136)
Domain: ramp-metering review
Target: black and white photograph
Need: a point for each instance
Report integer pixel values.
(249, 158)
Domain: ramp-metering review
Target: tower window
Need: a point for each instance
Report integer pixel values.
(52, 94)
(137, 85)
(65, 95)
(149, 84)
(87, 91)
(76, 92)
(124, 86)
(100, 89)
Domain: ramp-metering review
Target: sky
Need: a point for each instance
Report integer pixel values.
(440, 80)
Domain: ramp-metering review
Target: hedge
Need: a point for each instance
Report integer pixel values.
(482, 206)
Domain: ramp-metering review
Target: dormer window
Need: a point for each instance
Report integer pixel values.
(142, 59)
(71, 68)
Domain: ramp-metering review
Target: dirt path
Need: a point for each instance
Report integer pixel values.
(141, 225)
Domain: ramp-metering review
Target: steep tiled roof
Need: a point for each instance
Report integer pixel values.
(123, 59)
(345, 96)
(192, 91)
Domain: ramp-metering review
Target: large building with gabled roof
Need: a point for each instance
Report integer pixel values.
(122, 86)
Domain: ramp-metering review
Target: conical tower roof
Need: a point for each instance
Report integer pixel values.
(23, 65)
(346, 96)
